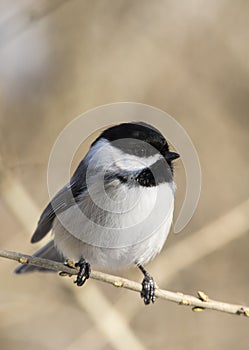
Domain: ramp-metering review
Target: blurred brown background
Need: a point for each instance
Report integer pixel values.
(189, 58)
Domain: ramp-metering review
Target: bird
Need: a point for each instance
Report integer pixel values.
(117, 209)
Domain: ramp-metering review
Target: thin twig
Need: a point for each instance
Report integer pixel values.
(197, 303)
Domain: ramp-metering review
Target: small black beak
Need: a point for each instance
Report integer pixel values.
(171, 156)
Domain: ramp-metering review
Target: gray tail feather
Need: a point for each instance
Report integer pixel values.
(47, 252)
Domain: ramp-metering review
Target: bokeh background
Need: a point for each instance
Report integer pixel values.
(190, 58)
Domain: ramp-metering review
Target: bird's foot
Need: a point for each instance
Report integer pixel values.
(84, 272)
(148, 290)
(148, 287)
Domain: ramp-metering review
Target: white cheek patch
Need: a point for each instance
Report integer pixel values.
(132, 162)
(104, 155)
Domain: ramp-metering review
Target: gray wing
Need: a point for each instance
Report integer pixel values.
(63, 200)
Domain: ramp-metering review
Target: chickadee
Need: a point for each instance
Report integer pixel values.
(117, 209)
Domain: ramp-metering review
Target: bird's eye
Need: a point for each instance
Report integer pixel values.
(140, 151)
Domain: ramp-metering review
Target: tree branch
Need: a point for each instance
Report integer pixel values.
(197, 303)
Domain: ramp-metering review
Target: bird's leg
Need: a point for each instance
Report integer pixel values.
(84, 272)
(148, 287)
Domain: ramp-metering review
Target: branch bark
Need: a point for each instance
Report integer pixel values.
(199, 303)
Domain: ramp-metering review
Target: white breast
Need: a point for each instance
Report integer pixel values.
(119, 239)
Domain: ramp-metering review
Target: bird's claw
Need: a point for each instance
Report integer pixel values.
(84, 272)
(148, 289)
